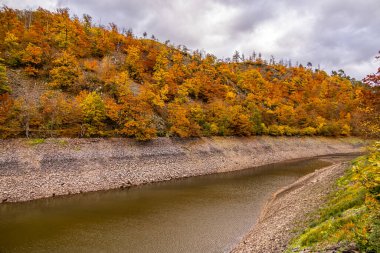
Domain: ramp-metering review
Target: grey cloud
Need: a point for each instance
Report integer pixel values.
(346, 31)
(336, 34)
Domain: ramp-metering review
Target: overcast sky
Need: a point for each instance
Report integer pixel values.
(337, 34)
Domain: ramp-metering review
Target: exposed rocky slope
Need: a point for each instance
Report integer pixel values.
(288, 209)
(67, 166)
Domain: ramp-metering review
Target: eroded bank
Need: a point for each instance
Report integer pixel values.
(66, 166)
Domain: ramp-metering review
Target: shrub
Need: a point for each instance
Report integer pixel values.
(308, 131)
(276, 130)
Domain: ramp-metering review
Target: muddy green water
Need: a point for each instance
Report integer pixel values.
(201, 214)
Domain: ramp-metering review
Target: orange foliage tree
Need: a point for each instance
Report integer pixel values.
(92, 80)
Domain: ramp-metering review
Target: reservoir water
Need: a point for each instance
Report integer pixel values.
(201, 214)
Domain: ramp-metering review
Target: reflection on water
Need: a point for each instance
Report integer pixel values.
(201, 214)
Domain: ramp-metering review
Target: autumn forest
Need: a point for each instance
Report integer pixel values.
(64, 76)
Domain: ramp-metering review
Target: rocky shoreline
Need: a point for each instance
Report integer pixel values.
(285, 214)
(31, 170)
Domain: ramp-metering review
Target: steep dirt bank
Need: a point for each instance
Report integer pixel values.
(67, 166)
(288, 209)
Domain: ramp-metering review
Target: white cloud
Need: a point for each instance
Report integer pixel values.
(31, 4)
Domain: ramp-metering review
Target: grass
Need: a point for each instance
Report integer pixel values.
(34, 142)
(352, 215)
(62, 142)
(353, 140)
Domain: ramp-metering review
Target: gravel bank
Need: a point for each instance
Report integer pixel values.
(286, 212)
(68, 166)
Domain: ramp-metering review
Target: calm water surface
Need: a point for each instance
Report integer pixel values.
(201, 214)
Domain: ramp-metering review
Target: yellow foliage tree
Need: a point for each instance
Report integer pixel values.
(94, 113)
(66, 73)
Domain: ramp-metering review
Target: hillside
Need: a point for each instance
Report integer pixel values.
(64, 76)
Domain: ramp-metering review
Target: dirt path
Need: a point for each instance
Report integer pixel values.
(288, 209)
